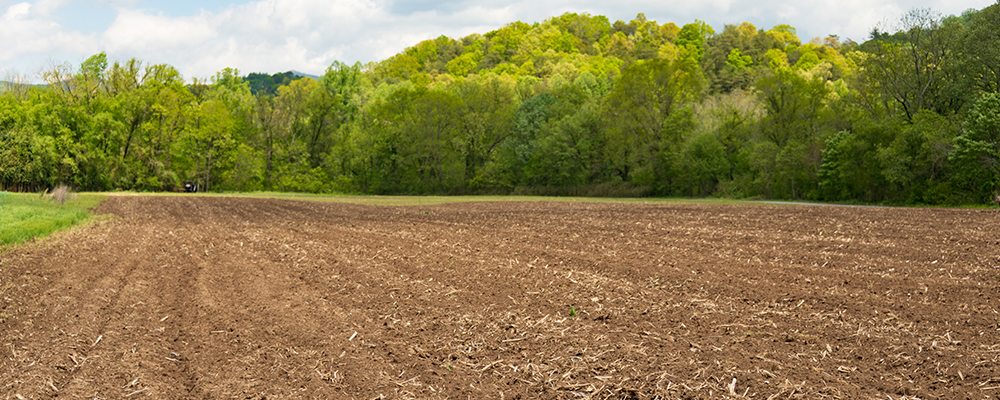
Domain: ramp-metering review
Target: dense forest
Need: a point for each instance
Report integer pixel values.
(574, 105)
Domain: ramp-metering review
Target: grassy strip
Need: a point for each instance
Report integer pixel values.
(433, 200)
(26, 216)
(397, 200)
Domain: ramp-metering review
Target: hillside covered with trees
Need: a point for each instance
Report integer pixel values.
(575, 104)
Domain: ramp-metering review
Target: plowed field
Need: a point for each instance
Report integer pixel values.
(194, 297)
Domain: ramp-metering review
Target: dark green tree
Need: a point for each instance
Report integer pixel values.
(976, 157)
(648, 116)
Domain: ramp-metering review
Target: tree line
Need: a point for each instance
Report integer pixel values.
(571, 105)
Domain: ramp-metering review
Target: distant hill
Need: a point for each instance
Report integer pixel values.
(7, 85)
(262, 82)
(303, 74)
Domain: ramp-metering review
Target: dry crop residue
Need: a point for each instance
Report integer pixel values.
(190, 297)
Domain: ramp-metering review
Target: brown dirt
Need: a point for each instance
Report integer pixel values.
(190, 297)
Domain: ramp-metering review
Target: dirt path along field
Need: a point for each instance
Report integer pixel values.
(194, 297)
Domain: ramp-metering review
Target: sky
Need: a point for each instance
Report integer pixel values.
(200, 38)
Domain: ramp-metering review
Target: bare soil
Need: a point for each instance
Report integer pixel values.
(193, 297)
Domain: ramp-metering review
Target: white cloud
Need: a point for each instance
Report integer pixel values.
(28, 33)
(17, 11)
(45, 8)
(137, 32)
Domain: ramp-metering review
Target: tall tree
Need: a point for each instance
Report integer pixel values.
(645, 115)
(907, 67)
(982, 47)
(977, 151)
(489, 104)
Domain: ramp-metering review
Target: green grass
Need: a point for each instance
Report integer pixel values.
(433, 200)
(26, 216)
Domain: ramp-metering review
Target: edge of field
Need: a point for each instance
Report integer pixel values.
(413, 200)
(27, 216)
(38, 217)
(376, 200)
(41, 217)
